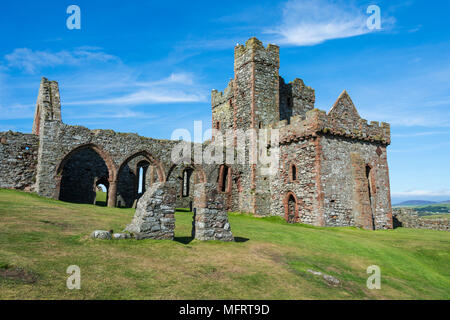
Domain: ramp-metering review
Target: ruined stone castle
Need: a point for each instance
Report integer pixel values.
(333, 168)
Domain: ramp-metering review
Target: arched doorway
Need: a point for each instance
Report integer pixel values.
(101, 190)
(224, 179)
(79, 174)
(291, 208)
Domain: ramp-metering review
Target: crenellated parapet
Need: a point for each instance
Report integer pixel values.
(342, 120)
(254, 51)
(220, 97)
(302, 91)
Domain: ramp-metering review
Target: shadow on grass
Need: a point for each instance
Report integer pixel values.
(187, 240)
(100, 203)
(240, 239)
(183, 240)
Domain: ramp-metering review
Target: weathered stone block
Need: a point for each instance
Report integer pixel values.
(154, 216)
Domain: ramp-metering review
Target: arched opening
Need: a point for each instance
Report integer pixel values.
(291, 208)
(186, 185)
(101, 190)
(186, 176)
(224, 181)
(135, 175)
(79, 173)
(142, 180)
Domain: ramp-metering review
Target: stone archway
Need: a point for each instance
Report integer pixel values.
(78, 172)
(128, 176)
(177, 174)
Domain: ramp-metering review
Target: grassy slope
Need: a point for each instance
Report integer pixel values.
(45, 236)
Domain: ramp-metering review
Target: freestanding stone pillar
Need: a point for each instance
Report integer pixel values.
(210, 217)
(112, 194)
(155, 213)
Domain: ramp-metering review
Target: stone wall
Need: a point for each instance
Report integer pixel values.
(302, 155)
(210, 216)
(408, 218)
(18, 160)
(346, 187)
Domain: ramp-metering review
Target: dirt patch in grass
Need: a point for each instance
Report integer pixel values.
(18, 274)
(61, 225)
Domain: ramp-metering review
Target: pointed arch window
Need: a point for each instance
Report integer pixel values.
(224, 178)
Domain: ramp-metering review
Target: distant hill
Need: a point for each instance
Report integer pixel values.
(419, 203)
(415, 203)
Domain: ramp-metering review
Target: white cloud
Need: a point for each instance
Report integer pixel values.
(119, 114)
(17, 111)
(146, 97)
(174, 78)
(31, 61)
(312, 22)
(422, 193)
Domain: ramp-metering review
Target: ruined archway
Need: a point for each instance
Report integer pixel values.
(136, 174)
(80, 170)
(185, 177)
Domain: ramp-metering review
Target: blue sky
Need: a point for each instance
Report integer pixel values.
(148, 67)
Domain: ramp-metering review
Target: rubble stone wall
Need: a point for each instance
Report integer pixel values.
(408, 218)
(210, 216)
(18, 160)
(154, 217)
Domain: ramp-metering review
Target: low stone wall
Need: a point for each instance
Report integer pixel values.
(18, 160)
(408, 218)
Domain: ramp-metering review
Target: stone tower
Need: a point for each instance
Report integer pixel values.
(256, 82)
(47, 120)
(250, 101)
(48, 105)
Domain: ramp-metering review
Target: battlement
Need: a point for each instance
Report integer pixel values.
(302, 91)
(254, 51)
(220, 97)
(344, 123)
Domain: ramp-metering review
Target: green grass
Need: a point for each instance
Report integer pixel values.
(42, 237)
(100, 199)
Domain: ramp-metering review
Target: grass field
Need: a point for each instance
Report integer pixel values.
(40, 238)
